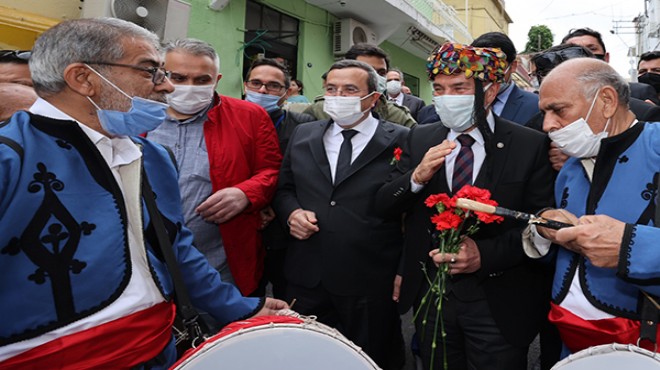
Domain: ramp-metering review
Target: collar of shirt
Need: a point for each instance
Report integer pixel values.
(500, 100)
(398, 99)
(116, 151)
(366, 128)
(332, 140)
(475, 133)
(199, 117)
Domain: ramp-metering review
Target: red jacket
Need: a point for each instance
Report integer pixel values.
(244, 153)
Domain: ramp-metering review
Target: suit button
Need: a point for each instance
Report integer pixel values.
(333, 203)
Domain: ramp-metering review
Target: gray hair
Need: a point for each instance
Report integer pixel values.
(594, 79)
(193, 47)
(80, 40)
(372, 79)
(397, 70)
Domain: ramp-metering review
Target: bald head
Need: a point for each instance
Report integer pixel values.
(15, 97)
(588, 75)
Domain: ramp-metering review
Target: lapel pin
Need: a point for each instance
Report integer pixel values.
(500, 145)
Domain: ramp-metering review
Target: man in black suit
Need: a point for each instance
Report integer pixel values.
(395, 83)
(494, 303)
(342, 263)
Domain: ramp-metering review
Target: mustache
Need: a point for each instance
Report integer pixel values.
(159, 97)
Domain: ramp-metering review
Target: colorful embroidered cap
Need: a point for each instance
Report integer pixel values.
(485, 64)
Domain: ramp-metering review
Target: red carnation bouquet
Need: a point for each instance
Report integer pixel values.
(452, 225)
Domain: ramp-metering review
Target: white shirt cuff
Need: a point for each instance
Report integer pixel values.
(415, 187)
(534, 244)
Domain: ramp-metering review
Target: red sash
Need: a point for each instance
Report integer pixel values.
(119, 344)
(578, 333)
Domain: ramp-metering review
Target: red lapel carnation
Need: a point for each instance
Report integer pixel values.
(397, 155)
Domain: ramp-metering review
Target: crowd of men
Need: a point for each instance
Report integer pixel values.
(107, 144)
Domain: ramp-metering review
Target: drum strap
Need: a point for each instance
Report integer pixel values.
(186, 310)
(650, 310)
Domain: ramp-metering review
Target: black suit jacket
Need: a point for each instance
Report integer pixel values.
(356, 251)
(519, 176)
(643, 92)
(413, 103)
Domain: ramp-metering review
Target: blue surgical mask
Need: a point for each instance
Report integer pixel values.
(144, 116)
(266, 101)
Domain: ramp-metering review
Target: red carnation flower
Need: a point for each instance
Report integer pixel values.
(446, 220)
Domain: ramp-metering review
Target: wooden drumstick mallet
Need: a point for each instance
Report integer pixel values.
(500, 211)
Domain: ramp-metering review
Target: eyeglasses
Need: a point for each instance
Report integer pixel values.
(20, 56)
(158, 74)
(348, 90)
(272, 86)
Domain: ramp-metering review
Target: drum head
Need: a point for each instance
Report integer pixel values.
(611, 357)
(284, 346)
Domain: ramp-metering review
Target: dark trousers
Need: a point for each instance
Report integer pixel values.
(274, 271)
(372, 323)
(473, 339)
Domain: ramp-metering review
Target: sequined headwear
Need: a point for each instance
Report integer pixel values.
(485, 64)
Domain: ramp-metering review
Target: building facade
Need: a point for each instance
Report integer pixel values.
(307, 35)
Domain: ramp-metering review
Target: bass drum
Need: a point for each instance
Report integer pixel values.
(613, 356)
(276, 342)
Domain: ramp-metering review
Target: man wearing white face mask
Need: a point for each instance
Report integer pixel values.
(266, 84)
(396, 95)
(493, 305)
(380, 62)
(228, 158)
(343, 259)
(606, 265)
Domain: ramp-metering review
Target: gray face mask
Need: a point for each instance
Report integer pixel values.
(382, 84)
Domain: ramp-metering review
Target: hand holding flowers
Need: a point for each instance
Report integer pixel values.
(456, 252)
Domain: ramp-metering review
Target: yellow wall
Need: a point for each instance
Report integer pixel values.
(22, 21)
(483, 15)
(58, 9)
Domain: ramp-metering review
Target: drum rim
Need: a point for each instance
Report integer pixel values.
(613, 347)
(305, 325)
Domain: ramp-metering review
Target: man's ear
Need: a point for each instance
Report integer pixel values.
(80, 79)
(491, 94)
(610, 98)
(374, 99)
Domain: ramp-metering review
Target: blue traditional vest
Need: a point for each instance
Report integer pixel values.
(63, 241)
(624, 186)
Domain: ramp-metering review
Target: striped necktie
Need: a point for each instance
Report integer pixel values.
(463, 164)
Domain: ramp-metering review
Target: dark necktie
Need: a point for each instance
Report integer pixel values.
(463, 164)
(345, 155)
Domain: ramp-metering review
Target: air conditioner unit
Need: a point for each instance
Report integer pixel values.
(167, 18)
(348, 32)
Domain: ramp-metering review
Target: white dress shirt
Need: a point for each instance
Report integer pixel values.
(332, 139)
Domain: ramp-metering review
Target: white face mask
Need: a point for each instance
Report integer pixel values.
(455, 111)
(577, 139)
(344, 110)
(190, 99)
(394, 87)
